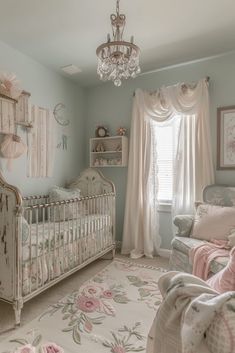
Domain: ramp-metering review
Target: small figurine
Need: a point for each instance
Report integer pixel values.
(103, 161)
(99, 147)
(119, 147)
(121, 131)
(96, 162)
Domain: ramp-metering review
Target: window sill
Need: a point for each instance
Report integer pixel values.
(164, 207)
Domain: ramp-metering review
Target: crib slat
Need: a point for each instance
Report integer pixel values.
(37, 236)
(61, 264)
(43, 245)
(80, 233)
(30, 251)
(63, 256)
(49, 244)
(55, 269)
(73, 236)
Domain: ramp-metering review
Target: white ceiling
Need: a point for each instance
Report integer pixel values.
(62, 32)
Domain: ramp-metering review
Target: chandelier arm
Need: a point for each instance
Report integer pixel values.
(117, 7)
(123, 27)
(117, 43)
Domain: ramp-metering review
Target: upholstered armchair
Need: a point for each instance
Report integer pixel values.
(183, 241)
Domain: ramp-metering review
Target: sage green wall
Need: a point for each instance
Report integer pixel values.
(112, 106)
(47, 88)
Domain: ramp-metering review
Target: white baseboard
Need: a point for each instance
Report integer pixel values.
(164, 253)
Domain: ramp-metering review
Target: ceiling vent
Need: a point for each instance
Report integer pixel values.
(71, 69)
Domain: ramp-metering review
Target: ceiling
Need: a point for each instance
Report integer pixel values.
(62, 32)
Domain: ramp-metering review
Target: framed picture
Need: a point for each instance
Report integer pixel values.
(226, 137)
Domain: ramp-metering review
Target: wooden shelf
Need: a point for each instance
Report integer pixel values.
(107, 152)
(111, 157)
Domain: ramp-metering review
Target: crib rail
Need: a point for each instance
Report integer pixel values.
(35, 197)
(58, 237)
(35, 200)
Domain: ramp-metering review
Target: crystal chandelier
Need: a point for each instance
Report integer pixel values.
(118, 59)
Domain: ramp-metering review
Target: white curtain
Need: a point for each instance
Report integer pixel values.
(193, 163)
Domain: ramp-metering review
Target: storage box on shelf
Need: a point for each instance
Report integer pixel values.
(109, 151)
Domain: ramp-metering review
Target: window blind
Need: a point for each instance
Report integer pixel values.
(164, 143)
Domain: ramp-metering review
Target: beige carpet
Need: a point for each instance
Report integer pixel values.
(34, 307)
(111, 312)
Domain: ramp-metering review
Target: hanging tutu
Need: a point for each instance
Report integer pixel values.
(12, 147)
(10, 86)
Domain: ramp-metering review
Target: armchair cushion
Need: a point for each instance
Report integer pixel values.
(184, 244)
(180, 255)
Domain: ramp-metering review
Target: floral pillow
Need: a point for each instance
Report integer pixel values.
(67, 211)
(213, 222)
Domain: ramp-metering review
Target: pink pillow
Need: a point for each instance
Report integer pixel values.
(224, 280)
(213, 222)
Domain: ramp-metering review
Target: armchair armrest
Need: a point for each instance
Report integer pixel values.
(184, 224)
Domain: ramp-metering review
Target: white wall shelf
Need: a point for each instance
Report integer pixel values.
(109, 151)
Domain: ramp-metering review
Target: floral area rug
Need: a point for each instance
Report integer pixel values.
(112, 312)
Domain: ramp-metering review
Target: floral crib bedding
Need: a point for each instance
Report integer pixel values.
(55, 248)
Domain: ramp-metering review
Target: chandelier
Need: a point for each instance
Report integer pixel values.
(118, 59)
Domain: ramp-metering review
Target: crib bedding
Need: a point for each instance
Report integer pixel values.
(46, 237)
(61, 247)
(52, 264)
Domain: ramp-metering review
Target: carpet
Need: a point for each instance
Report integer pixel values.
(112, 312)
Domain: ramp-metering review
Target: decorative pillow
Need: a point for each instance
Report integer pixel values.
(67, 211)
(213, 222)
(224, 280)
(220, 336)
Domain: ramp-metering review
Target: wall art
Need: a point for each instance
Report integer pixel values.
(226, 137)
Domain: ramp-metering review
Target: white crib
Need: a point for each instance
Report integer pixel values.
(38, 249)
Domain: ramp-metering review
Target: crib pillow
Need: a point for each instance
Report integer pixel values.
(69, 211)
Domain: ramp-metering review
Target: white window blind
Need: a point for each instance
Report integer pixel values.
(165, 144)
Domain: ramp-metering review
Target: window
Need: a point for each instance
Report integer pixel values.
(165, 143)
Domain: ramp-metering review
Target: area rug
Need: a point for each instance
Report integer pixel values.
(112, 312)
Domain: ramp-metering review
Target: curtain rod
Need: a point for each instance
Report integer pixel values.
(207, 80)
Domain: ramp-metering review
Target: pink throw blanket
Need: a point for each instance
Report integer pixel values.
(202, 255)
(224, 280)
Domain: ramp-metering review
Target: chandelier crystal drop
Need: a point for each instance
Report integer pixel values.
(118, 59)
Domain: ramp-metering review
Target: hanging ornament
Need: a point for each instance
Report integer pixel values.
(12, 147)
